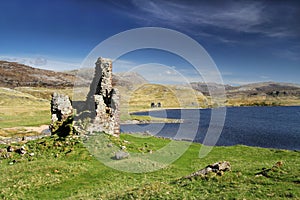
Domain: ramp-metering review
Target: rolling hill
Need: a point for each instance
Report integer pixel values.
(263, 88)
(24, 78)
(18, 75)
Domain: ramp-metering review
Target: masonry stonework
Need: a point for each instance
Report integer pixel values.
(61, 115)
(102, 101)
(106, 98)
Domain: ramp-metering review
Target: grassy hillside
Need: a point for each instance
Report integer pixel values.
(26, 106)
(14, 75)
(22, 109)
(64, 169)
(55, 168)
(170, 96)
(30, 106)
(241, 100)
(256, 94)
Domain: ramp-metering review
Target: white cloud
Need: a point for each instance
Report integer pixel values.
(238, 16)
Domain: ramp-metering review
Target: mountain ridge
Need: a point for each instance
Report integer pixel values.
(13, 74)
(270, 88)
(19, 75)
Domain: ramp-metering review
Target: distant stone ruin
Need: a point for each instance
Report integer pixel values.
(158, 104)
(153, 105)
(102, 104)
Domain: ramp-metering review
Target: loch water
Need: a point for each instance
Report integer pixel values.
(269, 127)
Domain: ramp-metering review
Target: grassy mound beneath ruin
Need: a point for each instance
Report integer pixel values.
(62, 168)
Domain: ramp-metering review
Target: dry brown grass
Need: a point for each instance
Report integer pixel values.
(168, 95)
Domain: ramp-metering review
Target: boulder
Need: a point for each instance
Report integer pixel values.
(121, 155)
(218, 168)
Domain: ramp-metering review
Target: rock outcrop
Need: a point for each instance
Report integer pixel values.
(217, 168)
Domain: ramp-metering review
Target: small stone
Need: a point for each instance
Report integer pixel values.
(22, 150)
(278, 164)
(147, 133)
(12, 162)
(123, 147)
(31, 154)
(121, 155)
(10, 149)
(7, 155)
(109, 145)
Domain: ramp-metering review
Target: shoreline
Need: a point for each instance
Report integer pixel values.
(192, 141)
(167, 121)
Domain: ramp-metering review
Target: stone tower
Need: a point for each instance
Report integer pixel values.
(105, 98)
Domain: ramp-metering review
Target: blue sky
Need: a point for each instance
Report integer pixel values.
(249, 41)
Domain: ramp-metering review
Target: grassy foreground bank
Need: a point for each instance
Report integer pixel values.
(64, 169)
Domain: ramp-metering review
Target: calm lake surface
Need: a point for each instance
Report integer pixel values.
(270, 127)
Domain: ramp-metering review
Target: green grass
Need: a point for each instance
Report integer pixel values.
(28, 106)
(64, 169)
(33, 117)
(22, 109)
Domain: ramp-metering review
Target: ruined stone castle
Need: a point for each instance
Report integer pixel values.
(102, 102)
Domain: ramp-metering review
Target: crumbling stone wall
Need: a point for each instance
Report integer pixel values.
(101, 107)
(61, 115)
(106, 98)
